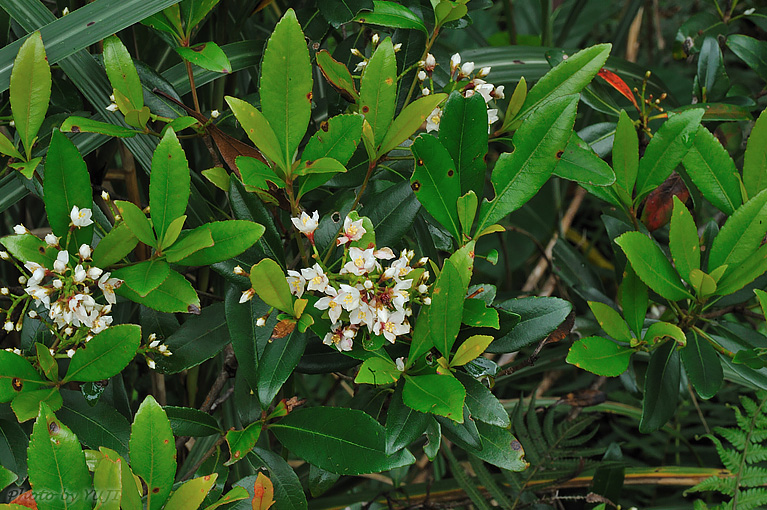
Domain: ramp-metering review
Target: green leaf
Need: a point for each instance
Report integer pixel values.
(153, 451)
(242, 441)
(462, 132)
(661, 330)
(230, 238)
(476, 313)
(436, 183)
(762, 297)
(256, 173)
(403, 423)
(258, 130)
(207, 55)
(343, 11)
(666, 150)
(337, 139)
(539, 316)
(446, 308)
(106, 354)
(75, 124)
(320, 166)
(8, 148)
(26, 168)
(276, 364)
(67, 184)
(187, 421)
(500, 448)
(610, 321)
(30, 90)
(169, 183)
(246, 206)
(57, 470)
(137, 222)
(702, 365)
(481, 403)
(392, 15)
(107, 481)
(342, 441)
(337, 74)
(467, 210)
(518, 176)
(13, 447)
(287, 486)
(115, 246)
(175, 294)
(751, 51)
(409, 120)
(753, 267)
(46, 362)
(740, 236)
(437, 394)
(7, 477)
(271, 286)
(96, 425)
(713, 172)
(378, 90)
(192, 242)
(236, 494)
(145, 276)
(122, 73)
(27, 404)
(17, 375)
(579, 163)
(174, 230)
(652, 266)
(711, 79)
(379, 371)
(568, 77)
(625, 155)
(195, 11)
(218, 176)
(192, 493)
(28, 247)
(197, 340)
(599, 356)
(661, 388)
(286, 85)
(755, 158)
(470, 349)
(422, 339)
(634, 300)
(683, 240)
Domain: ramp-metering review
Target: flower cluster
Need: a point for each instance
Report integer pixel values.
(375, 39)
(461, 74)
(155, 346)
(364, 296)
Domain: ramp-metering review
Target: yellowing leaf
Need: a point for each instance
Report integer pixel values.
(263, 493)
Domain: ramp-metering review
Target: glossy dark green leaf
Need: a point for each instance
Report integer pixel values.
(482, 404)
(753, 267)
(28, 247)
(403, 423)
(500, 448)
(257, 174)
(246, 206)
(539, 317)
(579, 163)
(338, 12)
(652, 266)
(200, 338)
(75, 124)
(169, 183)
(446, 308)
(683, 240)
(518, 176)
(463, 434)
(194, 11)
(17, 375)
(392, 15)
(625, 156)
(286, 85)
(378, 89)
(95, 425)
(661, 388)
(320, 481)
(153, 451)
(30, 90)
(67, 184)
(713, 172)
(230, 238)
(187, 421)
(751, 51)
(106, 354)
(392, 212)
(600, 356)
(711, 80)
(409, 120)
(13, 447)
(122, 73)
(145, 276)
(702, 365)
(137, 222)
(666, 150)
(57, 470)
(437, 394)
(634, 300)
(755, 158)
(462, 132)
(740, 236)
(280, 358)
(436, 183)
(288, 491)
(477, 314)
(207, 55)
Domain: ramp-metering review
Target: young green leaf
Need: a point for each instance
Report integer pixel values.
(30, 90)
(755, 158)
(660, 330)
(518, 176)
(116, 245)
(337, 138)
(702, 365)
(271, 286)
(337, 74)
(47, 362)
(230, 238)
(470, 349)
(175, 294)
(8, 148)
(122, 73)
(26, 168)
(27, 404)
(137, 222)
(191, 242)
(446, 308)
(408, 121)
(106, 354)
(107, 483)
(144, 277)
(652, 266)
(242, 441)
(192, 493)
(169, 183)
(713, 172)
(57, 470)
(600, 356)
(207, 55)
(752, 268)
(194, 11)
(378, 89)
(683, 240)
(579, 163)
(515, 104)
(67, 184)
(711, 80)
(256, 174)
(320, 166)
(741, 235)
(436, 183)
(462, 132)
(666, 150)
(379, 371)
(467, 210)
(661, 388)
(476, 313)
(625, 156)
(153, 451)
(258, 130)
(436, 394)
(286, 85)
(610, 321)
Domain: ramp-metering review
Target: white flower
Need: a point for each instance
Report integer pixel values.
(105, 196)
(426, 91)
(8, 326)
(400, 294)
(360, 66)
(430, 63)
(375, 39)
(485, 90)
(4, 291)
(64, 13)
(348, 297)
(94, 272)
(307, 224)
(315, 277)
(492, 116)
(296, 283)
(58, 283)
(483, 72)
(20, 229)
(455, 61)
(363, 314)
(397, 47)
(51, 240)
(362, 262)
(432, 121)
(391, 325)
(80, 274)
(150, 363)
(85, 251)
(340, 338)
(22, 280)
(60, 264)
(163, 348)
(70, 353)
(400, 362)
(422, 261)
(398, 268)
(385, 253)
(421, 75)
(422, 289)
(32, 314)
(467, 68)
(4, 255)
(100, 323)
(80, 217)
(154, 343)
(427, 301)
(112, 107)
(261, 322)
(498, 93)
(108, 286)
(353, 231)
(357, 53)
(247, 295)
(330, 304)
(238, 270)
(112, 97)
(215, 114)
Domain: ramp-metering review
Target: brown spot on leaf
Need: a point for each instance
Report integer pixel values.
(325, 126)
(415, 185)
(420, 162)
(75, 129)
(365, 109)
(559, 154)
(166, 441)
(17, 384)
(198, 48)
(155, 490)
(42, 250)
(516, 445)
(53, 427)
(450, 173)
(90, 23)
(309, 163)
(309, 97)
(389, 80)
(283, 329)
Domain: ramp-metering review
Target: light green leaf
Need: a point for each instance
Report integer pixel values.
(393, 15)
(137, 222)
(106, 354)
(218, 176)
(191, 242)
(600, 356)
(242, 441)
(446, 309)
(26, 168)
(145, 276)
(27, 404)
(271, 286)
(470, 349)
(378, 89)
(116, 245)
(175, 294)
(174, 230)
(207, 55)
(29, 247)
(579, 163)
(467, 210)
(75, 124)
(192, 493)
(683, 240)
(462, 131)
(660, 330)
(230, 238)
(379, 371)
(753, 267)
(107, 482)
(625, 156)
(652, 266)
(755, 158)
(740, 236)
(30, 90)
(713, 171)
(17, 375)
(46, 362)
(320, 166)
(153, 451)
(122, 73)
(169, 183)
(258, 130)
(256, 173)
(476, 313)
(337, 74)
(610, 321)
(408, 121)
(194, 11)
(8, 148)
(437, 394)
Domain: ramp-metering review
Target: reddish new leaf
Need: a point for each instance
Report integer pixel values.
(618, 84)
(660, 203)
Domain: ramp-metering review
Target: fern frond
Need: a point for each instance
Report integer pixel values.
(753, 476)
(736, 437)
(720, 484)
(750, 498)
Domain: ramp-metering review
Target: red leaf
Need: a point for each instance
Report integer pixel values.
(618, 84)
(25, 499)
(660, 203)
